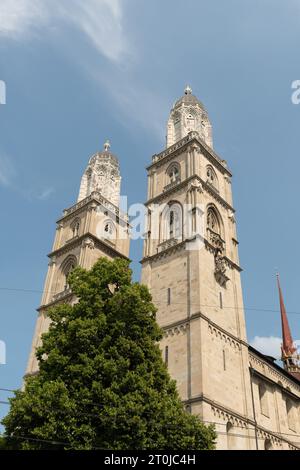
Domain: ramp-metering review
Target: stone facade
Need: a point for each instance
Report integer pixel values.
(191, 267)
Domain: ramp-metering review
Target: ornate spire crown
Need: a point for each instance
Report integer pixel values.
(102, 175)
(188, 114)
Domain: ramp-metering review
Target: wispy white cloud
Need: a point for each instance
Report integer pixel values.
(99, 20)
(45, 194)
(9, 180)
(269, 345)
(7, 170)
(102, 23)
(136, 105)
(18, 17)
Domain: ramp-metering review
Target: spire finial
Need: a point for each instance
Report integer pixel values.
(107, 145)
(188, 90)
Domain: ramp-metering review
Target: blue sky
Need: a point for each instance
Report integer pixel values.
(112, 69)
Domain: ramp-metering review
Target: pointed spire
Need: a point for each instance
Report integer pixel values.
(287, 348)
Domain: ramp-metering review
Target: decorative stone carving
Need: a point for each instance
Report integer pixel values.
(188, 115)
(167, 244)
(215, 239)
(195, 185)
(220, 268)
(52, 261)
(89, 243)
(102, 175)
(231, 216)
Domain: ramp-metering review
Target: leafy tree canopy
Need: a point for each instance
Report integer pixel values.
(102, 383)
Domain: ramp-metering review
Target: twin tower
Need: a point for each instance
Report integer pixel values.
(191, 266)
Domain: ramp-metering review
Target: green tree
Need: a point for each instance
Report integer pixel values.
(102, 382)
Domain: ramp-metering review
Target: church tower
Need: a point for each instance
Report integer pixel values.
(191, 266)
(93, 227)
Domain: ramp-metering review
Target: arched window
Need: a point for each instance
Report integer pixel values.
(174, 222)
(109, 230)
(173, 173)
(263, 399)
(177, 127)
(268, 444)
(171, 222)
(290, 411)
(213, 220)
(190, 122)
(67, 266)
(211, 177)
(230, 436)
(75, 227)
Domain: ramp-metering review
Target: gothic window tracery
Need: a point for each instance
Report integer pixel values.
(212, 177)
(213, 220)
(173, 173)
(171, 222)
(75, 227)
(67, 267)
(174, 223)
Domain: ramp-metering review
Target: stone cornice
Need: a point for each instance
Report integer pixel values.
(178, 187)
(193, 137)
(94, 197)
(101, 244)
(266, 378)
(181, 245)
(225, 334)
(273, 369)
(245, 419)
(61, 300)
(167, 252)
(239, 420)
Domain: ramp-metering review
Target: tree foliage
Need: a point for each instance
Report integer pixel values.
(102, 383)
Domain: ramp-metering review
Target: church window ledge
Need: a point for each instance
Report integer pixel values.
(72, 239)
(61, 295)
(172, 184)
(108, 240)
(167, 244)
(212, 186)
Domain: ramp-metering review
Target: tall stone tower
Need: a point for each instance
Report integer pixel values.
(191, 266)
(91, 228)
